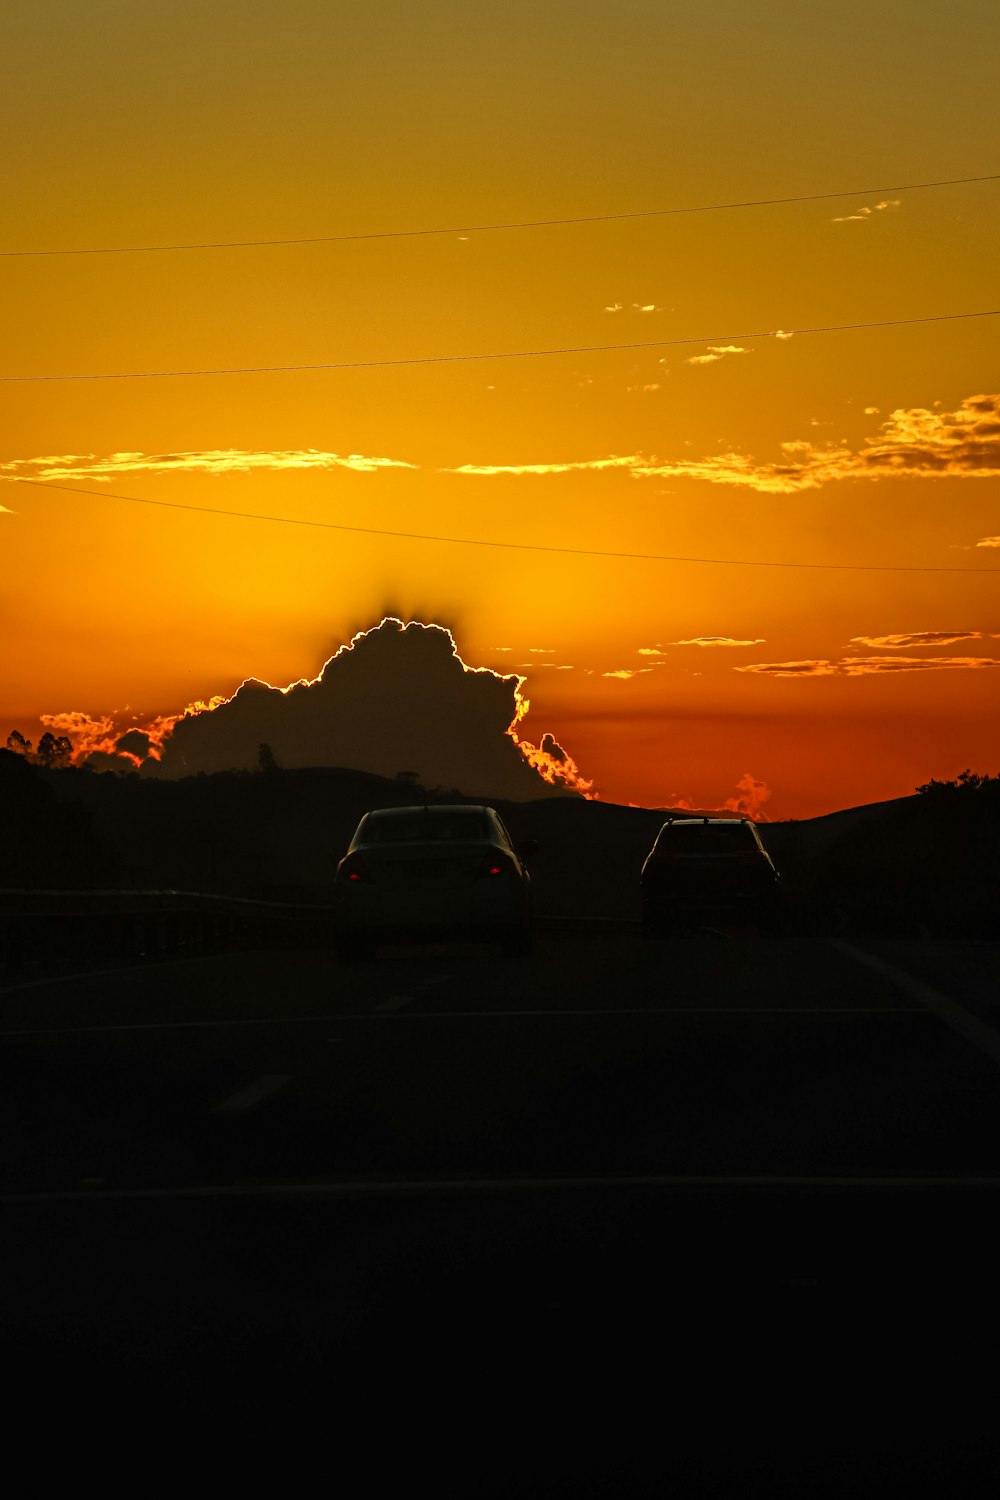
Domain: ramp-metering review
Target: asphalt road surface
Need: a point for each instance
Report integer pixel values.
(743, 1153)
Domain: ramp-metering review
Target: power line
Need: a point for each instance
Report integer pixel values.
(407, 234)
(466, 541)
(454, 359)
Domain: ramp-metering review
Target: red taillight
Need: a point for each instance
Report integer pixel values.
(494, 864)
(353, 867)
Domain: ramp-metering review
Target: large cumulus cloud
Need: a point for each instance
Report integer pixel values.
(398, 698)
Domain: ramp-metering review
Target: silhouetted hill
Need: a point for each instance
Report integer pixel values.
(48, 838)
(926, 862)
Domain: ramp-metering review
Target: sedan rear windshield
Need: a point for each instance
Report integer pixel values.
(707, 838)
(429, 827)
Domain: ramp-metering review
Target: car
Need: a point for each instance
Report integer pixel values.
(708, 867)
(445, 870)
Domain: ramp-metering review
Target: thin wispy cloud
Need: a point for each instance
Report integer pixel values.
(624, 673)
(861, 215)
(639, 307)
(649, 651)
(718, 640)
(911, 443)
(916, 638)
(862, 666)
(716, 352)
(205, 461)
(575, 467)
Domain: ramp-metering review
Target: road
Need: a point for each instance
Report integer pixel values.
(275, 1146)
(712, 1055)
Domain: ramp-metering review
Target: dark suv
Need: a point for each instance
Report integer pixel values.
(708, 869)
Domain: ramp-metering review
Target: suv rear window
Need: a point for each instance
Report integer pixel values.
(685, 837)
(454, 826)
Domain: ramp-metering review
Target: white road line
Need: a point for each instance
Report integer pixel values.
(163, 1026)
(392, 1009)
(397, 1002)
(254, 1093)
(648, 1010)
(143, 968)
(463, 1185)
(969, 1026)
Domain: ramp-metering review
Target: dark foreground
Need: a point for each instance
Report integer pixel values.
(720, 1209)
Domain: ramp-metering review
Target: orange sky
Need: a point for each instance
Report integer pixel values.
(139, 125)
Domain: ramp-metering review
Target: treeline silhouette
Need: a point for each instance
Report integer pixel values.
(927, 863)
(49, 841)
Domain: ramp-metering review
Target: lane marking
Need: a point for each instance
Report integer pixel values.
(166, 1026)
(397, 1002)
(255, 1093)
(962, 1021)
(460, 1185)
(168, 961)
(465, 1015)
(652, 1010)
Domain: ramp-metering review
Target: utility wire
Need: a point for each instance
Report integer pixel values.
(407, 234)
(454, 359)
(466, 541)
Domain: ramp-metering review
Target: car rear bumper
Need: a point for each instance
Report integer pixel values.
(733, 906)
(381, 912)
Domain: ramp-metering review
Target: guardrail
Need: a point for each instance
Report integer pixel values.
(45, 929)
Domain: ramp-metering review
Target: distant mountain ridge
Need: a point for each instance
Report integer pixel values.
(923, 862)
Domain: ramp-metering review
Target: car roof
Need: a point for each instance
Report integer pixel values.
(431, 809)
(705, 818)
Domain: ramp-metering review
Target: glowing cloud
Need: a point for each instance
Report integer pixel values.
(396, 695)
(861, 215)
(112, 745)
(717, 352)
(751, 795)
(862, 666)
(791, 668)
(988, 541)
(912, 443)
(917, 638)
(209, 461)
(717, 640)
(574, 467)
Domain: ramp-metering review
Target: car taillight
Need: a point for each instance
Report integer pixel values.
(354, 868)
(494, 865)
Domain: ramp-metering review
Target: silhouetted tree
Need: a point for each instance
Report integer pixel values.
(54, 750)
(266, 760)
(17, 743)
(49, 843)
(968, 783)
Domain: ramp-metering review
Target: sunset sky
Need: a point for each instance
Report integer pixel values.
(132, 123)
